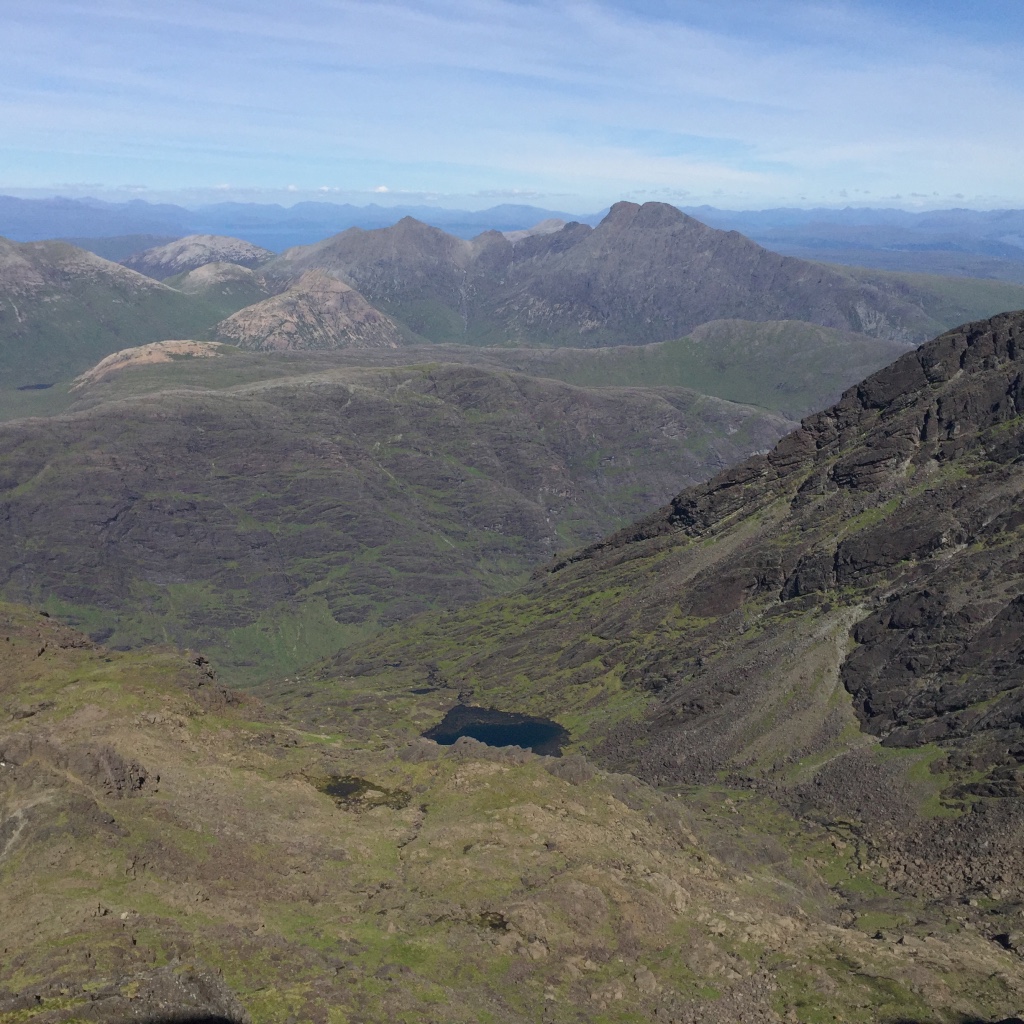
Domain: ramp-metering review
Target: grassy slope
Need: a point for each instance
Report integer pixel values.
(223, 298)
(469, 885)
(950, 300)
(70, 330)
(75, 310)
(789, 367)
(271, 523)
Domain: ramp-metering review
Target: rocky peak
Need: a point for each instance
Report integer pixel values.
(927, 407)
(648, 217)
(318, 312)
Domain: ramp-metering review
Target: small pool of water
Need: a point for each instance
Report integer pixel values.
(354, 793)
(500, 729)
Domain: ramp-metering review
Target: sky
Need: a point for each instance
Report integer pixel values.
(739, 104)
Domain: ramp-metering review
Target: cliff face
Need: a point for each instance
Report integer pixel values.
(903, 500)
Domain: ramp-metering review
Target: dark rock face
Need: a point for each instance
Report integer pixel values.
(645, 274)
(925, 455)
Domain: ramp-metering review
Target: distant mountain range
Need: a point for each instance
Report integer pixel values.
(969, 243)
(272, 226)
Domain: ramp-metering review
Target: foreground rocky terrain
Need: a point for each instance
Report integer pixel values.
(171, 851)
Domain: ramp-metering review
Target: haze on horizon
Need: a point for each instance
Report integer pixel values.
(568, 105)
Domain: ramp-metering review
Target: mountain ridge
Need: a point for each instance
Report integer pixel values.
(644, 274)
(193, 252)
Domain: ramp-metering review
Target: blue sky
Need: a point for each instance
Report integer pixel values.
(735, 103)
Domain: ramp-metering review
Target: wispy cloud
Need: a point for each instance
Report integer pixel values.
(750, 102)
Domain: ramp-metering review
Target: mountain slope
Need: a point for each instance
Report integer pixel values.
(62, 309)
(644, 274)
(787, 367)
(791, 367)
(414, 272)
(227, 286)
(836, 623)
(270, 522)
(194, 251)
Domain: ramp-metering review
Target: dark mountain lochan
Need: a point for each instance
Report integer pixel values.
(837, 625)
(645, 274)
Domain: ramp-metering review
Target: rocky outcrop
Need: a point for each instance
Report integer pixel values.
(146, 355)
(319, 312)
